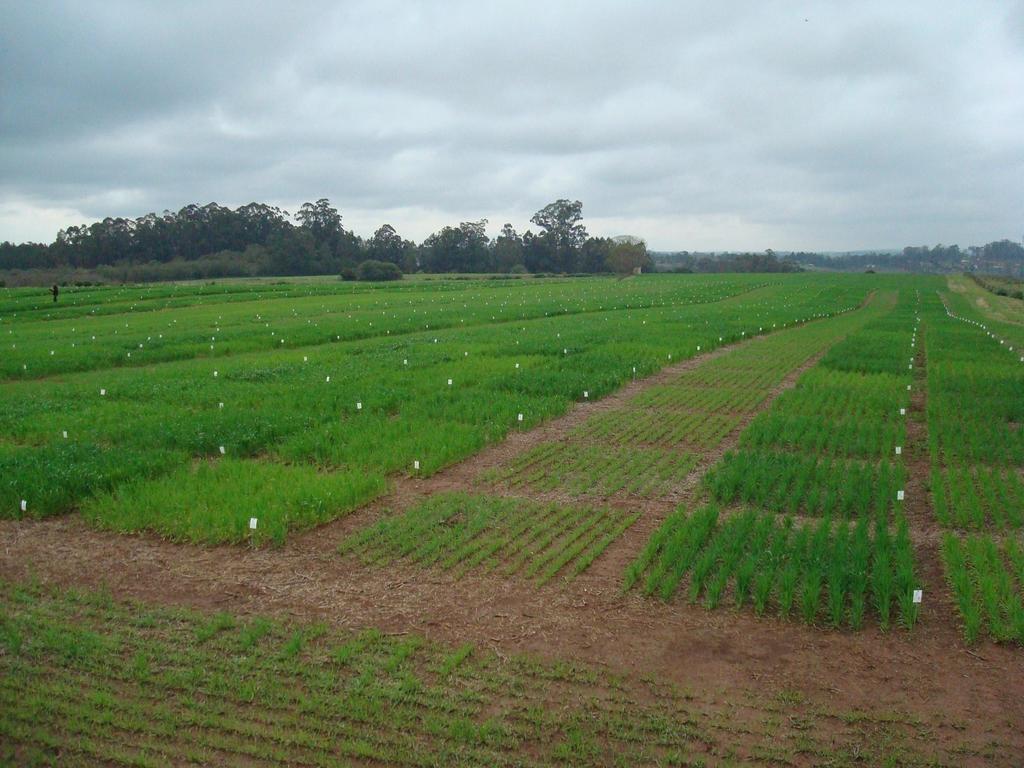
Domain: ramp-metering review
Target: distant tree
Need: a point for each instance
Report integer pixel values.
(508, 249)
(457, 249)
(387, 245)
(594, 254)
(560, 221)
(539, 253)
(321, 219)
(627, 254)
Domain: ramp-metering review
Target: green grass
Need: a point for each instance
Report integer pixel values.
(213, 501)
(462, 532)
(987, 580)
(85, 679)
(827, 573)
(508, 347)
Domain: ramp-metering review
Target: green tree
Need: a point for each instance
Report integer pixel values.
(387, 245)
(508, 249)
(565, 234)
(627, 254)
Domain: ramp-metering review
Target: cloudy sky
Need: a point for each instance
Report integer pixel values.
(697, 125)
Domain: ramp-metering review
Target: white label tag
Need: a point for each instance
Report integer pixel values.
(222, 450)
(252, 523)
(449, 382)
(899, 449)
(416, 464)
(65, 434)
(903, 411)
(359, 406)
(586, 394)
(24, 505)
(103, 392)
(520, 417)
(899, 495)
(918, 594)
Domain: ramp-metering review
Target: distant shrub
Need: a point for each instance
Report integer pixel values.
(378, 270)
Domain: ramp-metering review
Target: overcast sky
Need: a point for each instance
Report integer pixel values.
(696, 125)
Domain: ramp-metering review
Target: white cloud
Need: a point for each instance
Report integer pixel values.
(734, 125)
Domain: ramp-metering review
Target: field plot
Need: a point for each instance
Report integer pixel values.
(811, 453)
(87, 680)
(975, 409)
(987, 579)
(825, 571)
(354, 384)
(827, 447)
(526, 548)
(648, 447)
(515, 536)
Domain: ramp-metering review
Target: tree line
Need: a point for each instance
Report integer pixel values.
(257, 239)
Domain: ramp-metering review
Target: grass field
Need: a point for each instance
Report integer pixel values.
(668, 520)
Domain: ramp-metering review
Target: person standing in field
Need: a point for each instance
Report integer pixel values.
(55, 290)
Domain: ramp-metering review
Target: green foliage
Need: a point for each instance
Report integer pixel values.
(462, 532)
(829, 571)
(378, 271)
(87, 681)
(275, 373)
(987, 580)
(212, 502)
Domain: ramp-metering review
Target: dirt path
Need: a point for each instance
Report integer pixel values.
(965, 694)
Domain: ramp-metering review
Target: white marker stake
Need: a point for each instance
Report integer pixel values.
(586, 394)
(520, 417)
(899, 495)
(252, 523)
(416, 464)
(220, 405)
(918, 594)
(328, 379)
(222, 450)
(405, 362)
(24, 505)
(449, 382)
(103, 392)
(903, 411)
(359, 406)
(64, 434)
(899, 450)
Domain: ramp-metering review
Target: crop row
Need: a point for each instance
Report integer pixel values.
(637, 448)
(975, 394)
(584, 469)
(639, 426)
(87, 682)
(793, 483)
(978, 498)
(136, 336)
(987, 580)
(373, 407)
(828, 571)
(807, 434)
(519, 537)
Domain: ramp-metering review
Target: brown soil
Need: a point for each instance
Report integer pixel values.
(971, 696)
